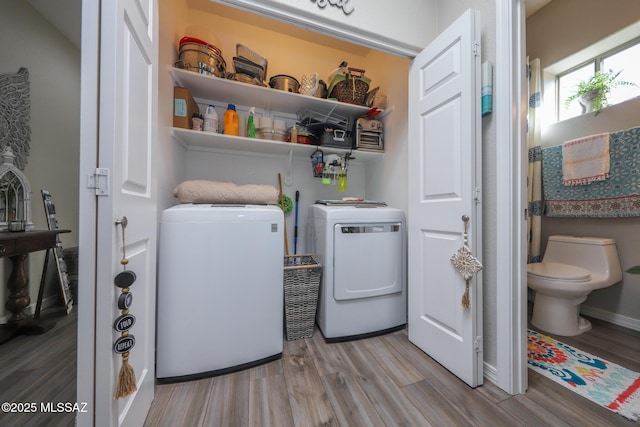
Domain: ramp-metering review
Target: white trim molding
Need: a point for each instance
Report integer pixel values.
(322, 25)
(611, 317)
(510, 196)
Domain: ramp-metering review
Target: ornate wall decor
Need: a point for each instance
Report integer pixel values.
(15, 106)
(340, 4)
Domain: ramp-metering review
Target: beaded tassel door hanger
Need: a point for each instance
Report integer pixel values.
(125, 343)
(466, 264)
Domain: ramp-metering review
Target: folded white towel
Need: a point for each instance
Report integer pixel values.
(585, 160)
(216, 192)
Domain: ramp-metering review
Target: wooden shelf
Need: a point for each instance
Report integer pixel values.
(194, 139)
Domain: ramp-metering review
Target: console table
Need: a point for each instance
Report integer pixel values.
(17, 246)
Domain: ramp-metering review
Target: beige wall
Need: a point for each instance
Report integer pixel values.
(54, 73)
(545, 28)
(566, 26)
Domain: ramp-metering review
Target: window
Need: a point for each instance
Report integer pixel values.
(567, 84)
(623, 58)
(627, 61)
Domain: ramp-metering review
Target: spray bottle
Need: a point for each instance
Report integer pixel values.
(251, 126)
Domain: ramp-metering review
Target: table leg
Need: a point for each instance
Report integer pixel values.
(20, 322)
(18, 294)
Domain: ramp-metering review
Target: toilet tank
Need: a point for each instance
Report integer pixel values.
(596, 254)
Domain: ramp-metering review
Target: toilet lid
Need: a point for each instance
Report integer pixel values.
(557, 271)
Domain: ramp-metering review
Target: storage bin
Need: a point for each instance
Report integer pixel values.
(335, 138)
(302, 276)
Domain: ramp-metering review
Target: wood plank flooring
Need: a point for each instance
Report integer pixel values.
(384, 381)
(381, 381)
(41, 368)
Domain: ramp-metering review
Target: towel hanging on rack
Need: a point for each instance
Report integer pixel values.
(586, 160)
(616, 197)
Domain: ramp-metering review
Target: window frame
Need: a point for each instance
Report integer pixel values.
(597, 65)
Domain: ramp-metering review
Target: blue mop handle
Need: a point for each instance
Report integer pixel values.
(295, 229)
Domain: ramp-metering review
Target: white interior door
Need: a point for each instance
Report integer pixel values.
(119, 97)
(444, 185)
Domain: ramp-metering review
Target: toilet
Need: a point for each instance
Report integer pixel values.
(571, 268)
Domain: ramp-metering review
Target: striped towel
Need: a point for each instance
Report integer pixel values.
(585, 160)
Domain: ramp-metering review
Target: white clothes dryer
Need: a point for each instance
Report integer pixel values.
(363, 253)
(220, 289)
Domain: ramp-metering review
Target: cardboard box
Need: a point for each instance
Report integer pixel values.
(183, 108)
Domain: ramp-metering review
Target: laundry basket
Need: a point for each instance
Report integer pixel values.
(301, 284)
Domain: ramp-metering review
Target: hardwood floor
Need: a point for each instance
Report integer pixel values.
(381, 381)
(37, 369)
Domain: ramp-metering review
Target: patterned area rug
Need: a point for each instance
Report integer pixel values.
(600, 381)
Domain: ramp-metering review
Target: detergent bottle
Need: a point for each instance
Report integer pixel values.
(210, 120)
(231, 126)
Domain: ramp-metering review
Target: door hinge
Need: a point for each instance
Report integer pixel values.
(477, 344)
(99, 181)
(476, 48)
(477, 195)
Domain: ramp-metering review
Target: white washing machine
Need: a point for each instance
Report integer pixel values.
(220, 289)
(363, 253)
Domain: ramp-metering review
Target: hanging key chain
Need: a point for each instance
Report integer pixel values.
(125, 343)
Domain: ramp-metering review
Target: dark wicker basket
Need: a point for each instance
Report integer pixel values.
(350, 87)
(301, 285)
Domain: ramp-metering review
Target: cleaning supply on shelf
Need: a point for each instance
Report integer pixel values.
(326, 174)
(251, 126)
(210, 120)
(197, 121)
(342, 180)
(231, 126)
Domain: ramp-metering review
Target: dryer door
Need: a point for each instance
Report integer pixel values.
(368, 260)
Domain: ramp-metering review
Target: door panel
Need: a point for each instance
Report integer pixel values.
(444, 178)
(128, 111)
(442, 159)
(436, 304)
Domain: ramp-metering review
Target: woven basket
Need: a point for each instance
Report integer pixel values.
(301, 284)
(350, 87)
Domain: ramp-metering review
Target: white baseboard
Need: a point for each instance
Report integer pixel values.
(607, 316)
(31, 308)
(490, 373)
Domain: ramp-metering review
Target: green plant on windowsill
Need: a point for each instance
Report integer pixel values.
(592, 93)
(634, 270)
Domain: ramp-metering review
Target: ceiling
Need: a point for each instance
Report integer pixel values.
(66, 15)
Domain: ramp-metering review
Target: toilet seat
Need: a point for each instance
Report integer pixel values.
(558, 272)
